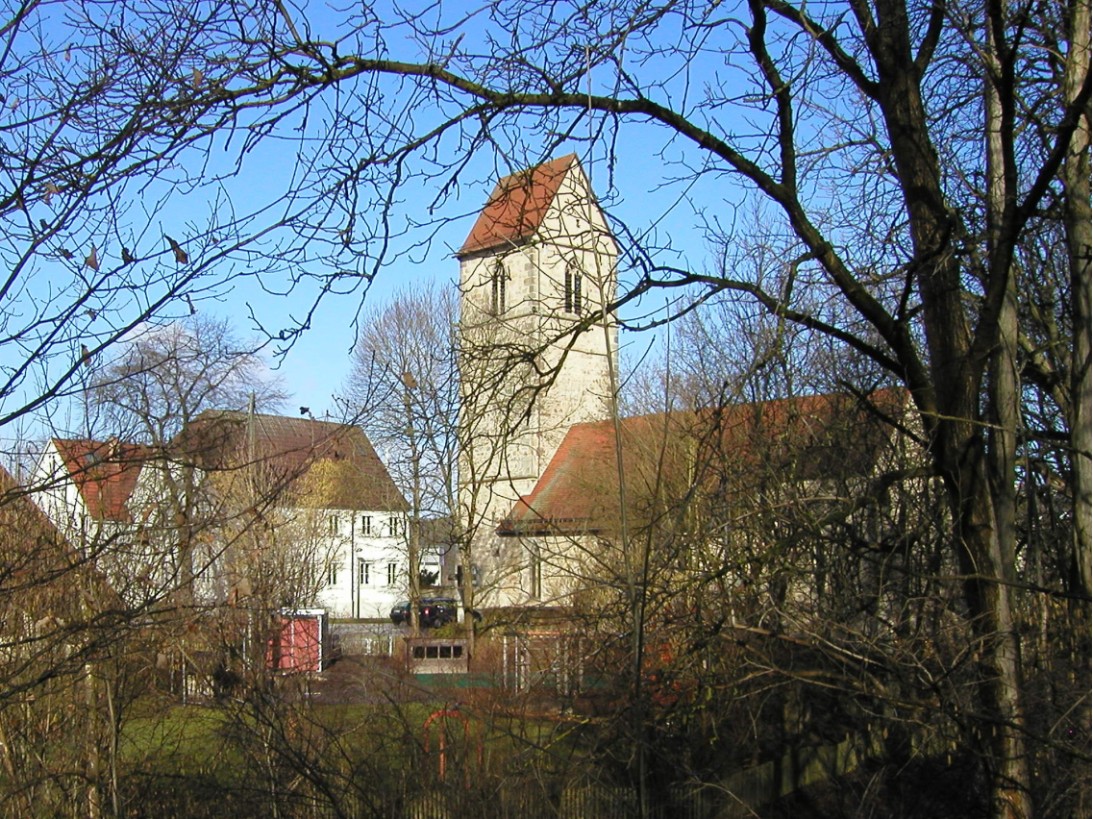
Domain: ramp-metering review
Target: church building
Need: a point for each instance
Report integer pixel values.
(538, 352)
(554, 486)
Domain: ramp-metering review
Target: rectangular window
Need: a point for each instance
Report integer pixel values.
(394, 526)
(364, 573)
(333, 524)
(332, 575)
(366, 524)
(573, 290)
(392, 574)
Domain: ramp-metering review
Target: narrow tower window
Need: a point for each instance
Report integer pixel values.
(573, 289)
(497, 289)
(536, 565)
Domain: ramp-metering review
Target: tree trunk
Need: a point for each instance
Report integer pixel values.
(1004, 384)
(951, 413)
(989, 596)
(1079, 236)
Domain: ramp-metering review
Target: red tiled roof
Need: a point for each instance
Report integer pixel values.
(667, 455)
(47, 568)
(580, 488)
(292, 450)
(516, 207)
(21, 520)
(105, 473)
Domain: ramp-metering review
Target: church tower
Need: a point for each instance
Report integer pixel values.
(538, 348)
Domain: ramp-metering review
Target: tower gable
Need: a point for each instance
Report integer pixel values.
(516, 208)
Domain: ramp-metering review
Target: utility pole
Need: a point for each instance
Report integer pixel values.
(414, 535)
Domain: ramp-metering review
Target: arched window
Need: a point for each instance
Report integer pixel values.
(573, 302)
(497, 289)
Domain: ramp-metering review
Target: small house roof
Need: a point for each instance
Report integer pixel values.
(515, 209)
(23, 522)
(40, 561)
(104, 472)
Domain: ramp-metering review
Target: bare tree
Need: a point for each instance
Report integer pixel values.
(902, 205)
(160, 381)
(404, 389)
(162, 377)
(414, 377)
(101, 102)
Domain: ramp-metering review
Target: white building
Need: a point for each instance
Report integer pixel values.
(84, 485)
(300, 512)
(105, 498)
(366, 568)
(335, 515)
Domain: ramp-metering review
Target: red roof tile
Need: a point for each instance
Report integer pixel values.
(667, 455)
(516, 207)
(40, 567)
(105, 473)
(296, 454)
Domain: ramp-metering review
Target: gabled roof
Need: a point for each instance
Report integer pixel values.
(666, 456)
(323, 463)
(24, 528)
(38, 566)
(579, 491)
(105, 473)
(516, 208)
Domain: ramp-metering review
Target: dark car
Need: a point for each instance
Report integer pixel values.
(432, 613)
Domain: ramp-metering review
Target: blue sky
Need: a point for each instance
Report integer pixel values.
(319, 362)
(643, 195)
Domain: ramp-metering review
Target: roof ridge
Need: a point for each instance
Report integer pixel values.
(514, 211)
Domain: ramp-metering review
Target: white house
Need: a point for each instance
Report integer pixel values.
(91, 492)
(83, 484)
(300, 511)
(366, 568)
(335, 523)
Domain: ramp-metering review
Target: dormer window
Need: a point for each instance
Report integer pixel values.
(573, 302)
(498, 278)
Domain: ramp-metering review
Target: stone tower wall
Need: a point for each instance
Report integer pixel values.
(534, 369)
